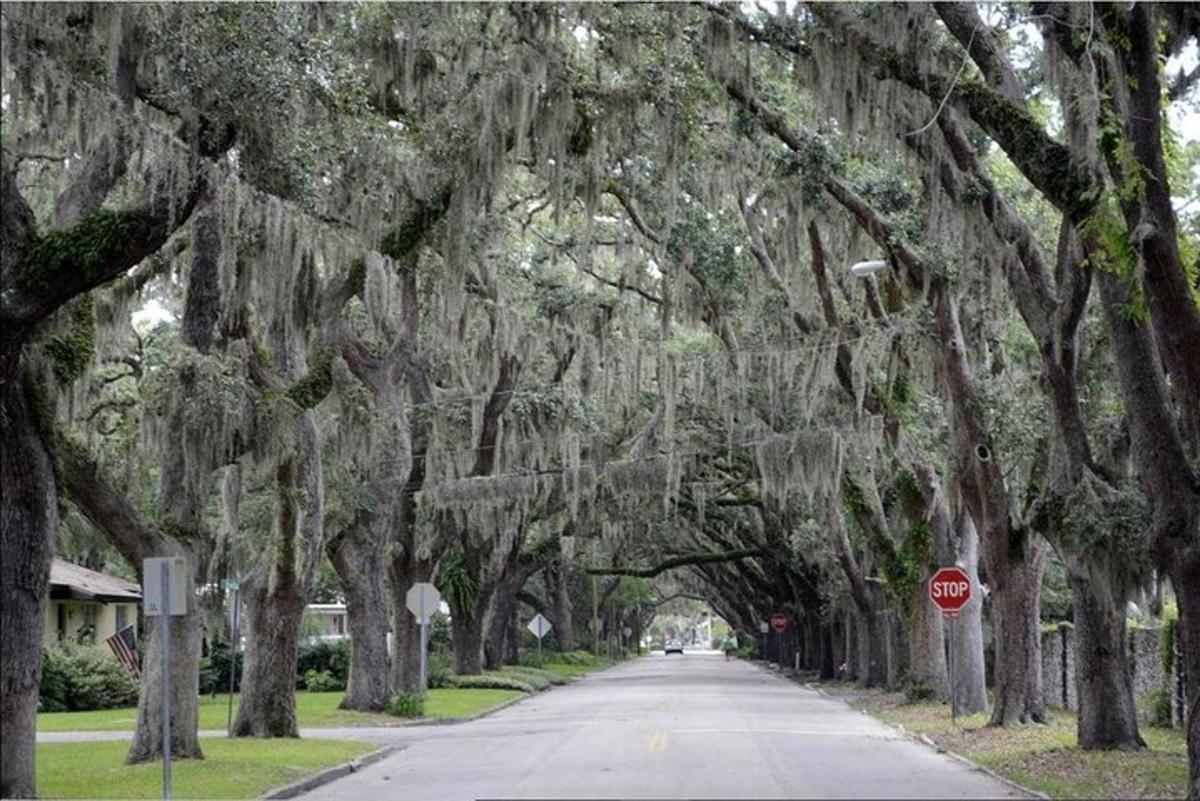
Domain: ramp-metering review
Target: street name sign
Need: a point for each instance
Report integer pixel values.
(539, 626)
(950, 589)
(779, 622)
(422, 599)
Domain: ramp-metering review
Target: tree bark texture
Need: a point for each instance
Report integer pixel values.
(926, 646)
(276, 592)
(1017, 636)
(147, 745)
(970, 674)
(405, 672)
(1103, 679)
(359, 565)
(557, 580)
(28, 522)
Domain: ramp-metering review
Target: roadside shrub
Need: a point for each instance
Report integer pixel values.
(520, 671)
(491, 681)
(55, 688)
(918, 691)
(440, 634)
(332, 657)
(439, 667)
(322, 681)
(406, 705)
(1161, 709)
(577, 658)
(214, 670)
(529, 658)
(537, 681)
(83, 678)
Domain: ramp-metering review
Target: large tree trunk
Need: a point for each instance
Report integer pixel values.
(28, 522)
(1186, 579)
(147, 742)
(498, 620)
(405, 571)
(268, 704)
(1107, 717)
(277, 589)
(926, 647)
(358, 561)
(557, 577)
(1016, 603)
(970, 674)
(828, 658)
(501, 609)
(872, 645)
(467, 638)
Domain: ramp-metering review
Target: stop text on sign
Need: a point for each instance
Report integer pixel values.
(950, 589)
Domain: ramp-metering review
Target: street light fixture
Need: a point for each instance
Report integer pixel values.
(864, 269)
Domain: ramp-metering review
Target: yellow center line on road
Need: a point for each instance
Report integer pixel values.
(658, 741)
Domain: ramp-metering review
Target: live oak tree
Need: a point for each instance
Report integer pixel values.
(548, 305)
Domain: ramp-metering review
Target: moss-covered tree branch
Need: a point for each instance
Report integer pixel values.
(677, 561)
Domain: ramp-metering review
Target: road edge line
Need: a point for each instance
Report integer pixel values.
(331, 774)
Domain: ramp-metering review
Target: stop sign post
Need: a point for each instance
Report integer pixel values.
(423, 599)
(950, 591)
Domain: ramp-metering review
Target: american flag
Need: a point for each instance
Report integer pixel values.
(123, 644)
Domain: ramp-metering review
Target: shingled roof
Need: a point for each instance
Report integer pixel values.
(77, 582)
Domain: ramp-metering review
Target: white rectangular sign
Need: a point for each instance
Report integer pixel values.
(180, 586)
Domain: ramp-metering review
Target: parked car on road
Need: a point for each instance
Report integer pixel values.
(673, 647)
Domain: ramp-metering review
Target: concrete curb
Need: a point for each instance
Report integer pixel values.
(468, 719)
(926, 740)
(329, 774)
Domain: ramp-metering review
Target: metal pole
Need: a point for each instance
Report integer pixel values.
(595, 609)
(424, 641)
(539, 639)
(164, 611)
(233, 652)
(953, 693)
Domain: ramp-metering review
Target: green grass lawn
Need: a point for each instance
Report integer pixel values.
(231, 769)
(312, 710)
(1042, 757)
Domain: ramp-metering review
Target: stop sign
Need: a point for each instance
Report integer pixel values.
(779, 622)
(950, 589)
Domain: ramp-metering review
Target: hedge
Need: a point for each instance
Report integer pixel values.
(83, 678)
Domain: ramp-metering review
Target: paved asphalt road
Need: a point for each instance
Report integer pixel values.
(691, 726)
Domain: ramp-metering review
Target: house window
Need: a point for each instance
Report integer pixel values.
(87, 632)
(122, 616)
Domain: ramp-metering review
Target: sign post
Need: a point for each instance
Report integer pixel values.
(422, 600)
(950, 591)
(540, 628)
(165, 590)
(779, 624)
(763, 628)
(232, 585)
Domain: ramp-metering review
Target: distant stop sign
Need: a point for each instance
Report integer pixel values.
(950, 589)
(779, 622)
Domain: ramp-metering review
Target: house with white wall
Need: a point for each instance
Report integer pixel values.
(88, 606)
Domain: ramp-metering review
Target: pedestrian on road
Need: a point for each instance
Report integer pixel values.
(730, 648)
